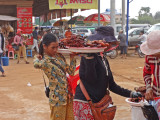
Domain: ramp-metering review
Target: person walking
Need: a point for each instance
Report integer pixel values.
(19, 41)
(96, 76)
(55, 67)
(2, 48)
(35, 39)
(123, 44)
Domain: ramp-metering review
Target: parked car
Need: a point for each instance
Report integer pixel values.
(130, 26)
(153, 28)
(133, 35)
(82, 32)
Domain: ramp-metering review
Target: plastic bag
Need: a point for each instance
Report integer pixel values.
(137, 114)
(156, 105)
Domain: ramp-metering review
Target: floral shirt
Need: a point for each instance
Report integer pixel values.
(56, 69)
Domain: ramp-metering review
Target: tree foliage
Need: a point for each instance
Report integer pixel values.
(157, 15)
(145, 17)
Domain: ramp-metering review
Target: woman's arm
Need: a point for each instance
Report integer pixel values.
(15, 40)
(38, 62)
(70, 69)
(148, 79)
(114, 87)
(147, 74)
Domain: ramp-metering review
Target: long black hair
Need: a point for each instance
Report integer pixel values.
(47, 39)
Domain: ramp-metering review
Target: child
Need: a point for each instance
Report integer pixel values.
(55, 67)
(151, 48)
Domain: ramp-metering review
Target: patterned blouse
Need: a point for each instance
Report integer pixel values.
(56, 69)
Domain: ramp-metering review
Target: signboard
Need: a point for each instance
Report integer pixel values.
(25, 22)
(73, 4)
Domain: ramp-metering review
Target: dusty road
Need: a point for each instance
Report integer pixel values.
(21, 102)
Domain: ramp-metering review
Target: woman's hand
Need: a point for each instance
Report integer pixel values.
(136, 95)
(149, 95)
(39, 57)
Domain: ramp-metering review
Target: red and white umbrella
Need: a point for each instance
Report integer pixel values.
(94, 18)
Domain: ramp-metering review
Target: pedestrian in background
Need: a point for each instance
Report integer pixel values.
(35, 39)
(41, 32)
(142, 37)
(2, 51)
(68, 33)
(19, 41)
(123, 44)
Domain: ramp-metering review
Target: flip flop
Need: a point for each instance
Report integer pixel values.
(3, 75)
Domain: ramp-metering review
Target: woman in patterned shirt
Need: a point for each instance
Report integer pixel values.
(55, 67)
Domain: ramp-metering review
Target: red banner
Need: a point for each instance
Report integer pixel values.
(25, 22)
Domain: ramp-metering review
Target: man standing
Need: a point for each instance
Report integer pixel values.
(1, 51)
(68, 33)
(123, 44)
(35, 39)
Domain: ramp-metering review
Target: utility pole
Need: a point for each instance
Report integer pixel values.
(112, 13)
(123, 15)
(99, 13)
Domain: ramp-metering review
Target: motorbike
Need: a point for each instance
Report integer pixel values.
(112, 52)
(141, 55)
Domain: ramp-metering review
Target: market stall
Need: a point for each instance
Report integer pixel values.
(8, 25)
(77, 20)
(93, 18)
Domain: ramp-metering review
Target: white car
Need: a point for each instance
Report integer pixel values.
(153, 28)
(82, 32)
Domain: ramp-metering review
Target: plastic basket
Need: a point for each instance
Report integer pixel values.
(5, 61)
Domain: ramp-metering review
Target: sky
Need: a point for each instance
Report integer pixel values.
(135, 6)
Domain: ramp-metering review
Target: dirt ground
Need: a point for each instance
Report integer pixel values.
(18, 101)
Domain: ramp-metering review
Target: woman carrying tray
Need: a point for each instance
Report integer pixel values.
(96, 78)
(55, 67)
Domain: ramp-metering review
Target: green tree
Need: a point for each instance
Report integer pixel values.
(157, 15)
(145, 17)
(134, 21)
(144, 11)
(146, 20)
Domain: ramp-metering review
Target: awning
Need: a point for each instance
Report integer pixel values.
(7, 18)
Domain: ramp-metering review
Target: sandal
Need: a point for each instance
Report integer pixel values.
(3, 75)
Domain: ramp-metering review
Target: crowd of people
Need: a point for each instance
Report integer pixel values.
(95, 72)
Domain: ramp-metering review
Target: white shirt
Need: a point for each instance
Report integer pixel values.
(143, 38)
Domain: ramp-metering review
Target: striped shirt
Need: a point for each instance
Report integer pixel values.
(152, 67)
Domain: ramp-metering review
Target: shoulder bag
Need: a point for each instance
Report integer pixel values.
(47, 90)
(100, 110)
